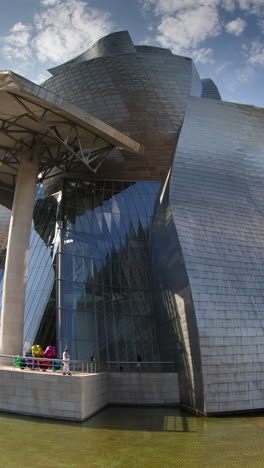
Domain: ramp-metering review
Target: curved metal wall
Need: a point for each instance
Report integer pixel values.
(217, 203)
(142, 93)
(113, 44)
(209, 89)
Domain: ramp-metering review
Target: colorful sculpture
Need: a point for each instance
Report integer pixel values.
(19, 362)
(57, 365)
(36, 350)
(50, 352)
(29, 361)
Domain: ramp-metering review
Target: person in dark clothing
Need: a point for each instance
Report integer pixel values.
(139, 359)
(93, 365)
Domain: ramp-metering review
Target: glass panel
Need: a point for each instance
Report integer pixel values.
(103, 274)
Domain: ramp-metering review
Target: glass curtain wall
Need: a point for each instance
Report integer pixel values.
(88, 281)
(103, 292)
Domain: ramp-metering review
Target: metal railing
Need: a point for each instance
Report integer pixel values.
(30, 363)
(135, 366)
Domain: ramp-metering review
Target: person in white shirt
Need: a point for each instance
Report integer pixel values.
(66, 359)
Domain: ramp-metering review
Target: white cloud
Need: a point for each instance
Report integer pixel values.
(68, 28)
(236, 82)
(251, 6)
(256, 53)
(60, 31)
(246, 74)
(223, 66)
(236, 26)
(188, 28)
(169, 7)
(229, 5)
(203, 56)
(260, 23)
(184, 24)
(17, 43)
(19, 36)
(40, 77)
(48, 2)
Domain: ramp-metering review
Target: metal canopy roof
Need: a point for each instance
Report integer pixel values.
(32, 118)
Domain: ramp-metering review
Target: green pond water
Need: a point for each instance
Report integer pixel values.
(133, 437)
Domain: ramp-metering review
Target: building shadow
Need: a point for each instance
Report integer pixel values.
(150, 419)
(123, 418)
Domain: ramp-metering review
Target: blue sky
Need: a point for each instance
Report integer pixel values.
(224, 37)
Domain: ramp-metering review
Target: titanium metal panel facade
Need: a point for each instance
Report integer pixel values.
(142, 92)
(209, 90)
(216, 199)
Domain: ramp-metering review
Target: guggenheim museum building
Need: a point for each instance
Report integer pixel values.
(132, 220)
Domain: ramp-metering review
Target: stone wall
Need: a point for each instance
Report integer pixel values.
(143, 388)
(78, 397)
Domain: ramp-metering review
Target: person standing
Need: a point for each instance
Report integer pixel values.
(66, 362)
(93, 364)
(139, 359)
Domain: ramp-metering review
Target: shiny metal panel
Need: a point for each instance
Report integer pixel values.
(113, 44)
(216, 198)
(142, 93)
(210, 90)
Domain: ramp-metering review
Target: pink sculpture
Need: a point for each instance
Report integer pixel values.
(50, 352)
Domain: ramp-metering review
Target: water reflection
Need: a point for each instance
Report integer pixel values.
(142, 419)
(133, 437)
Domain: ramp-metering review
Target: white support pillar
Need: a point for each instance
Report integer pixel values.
(15, 276)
